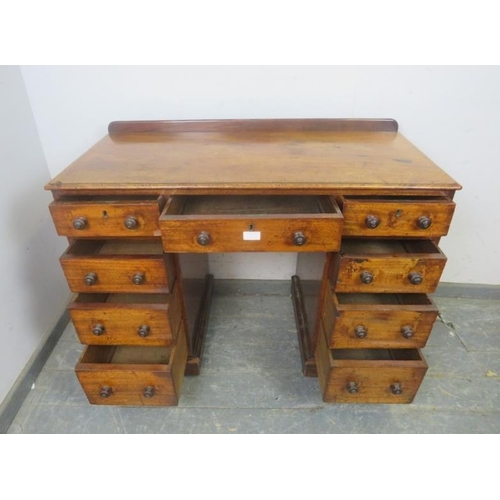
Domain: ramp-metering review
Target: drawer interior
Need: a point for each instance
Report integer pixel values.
(125, 355)
(383, 299)
(380, 246)
(116, 247)
(119, 247)
(251, 205)
(122, 298)
(377, 354)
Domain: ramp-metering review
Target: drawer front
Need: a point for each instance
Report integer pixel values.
(88, 271)
(403, 217)
(131, 383)
(377, 324)
(135, 322)
(370, 380)
(389, 274)
(132, 275)
(135, 217)
(418, 269)
(206, 229)
(392, 383)
(128, 387)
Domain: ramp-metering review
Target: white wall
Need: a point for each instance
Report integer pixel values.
(451, 113)
(33, 290)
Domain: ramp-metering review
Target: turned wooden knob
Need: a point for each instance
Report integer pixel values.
(396, 389)
(144, 331)
(105, 391)
(360, 332)
(424, 222)
(98, 329)
(149, 391)
(372, 221)
(90, 279)
(352, 388)
(138, 278)
(203, 239)
(415, 278)
(366, 277)
(299, 238)
(131, 222)
(80, 223)
(407, 332)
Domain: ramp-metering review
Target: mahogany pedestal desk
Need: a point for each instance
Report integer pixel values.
(362, 207)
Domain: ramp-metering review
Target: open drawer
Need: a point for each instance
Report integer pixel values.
(127, 319)
(368, 375)
(378, 320)
(387, 266)
(111, 266)
(251, 224)
(400, 216)
(133, 375)
(107, 216)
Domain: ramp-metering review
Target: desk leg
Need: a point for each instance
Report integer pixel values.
(197, 289)
(308, 294)
(199, 329)
(305, 338)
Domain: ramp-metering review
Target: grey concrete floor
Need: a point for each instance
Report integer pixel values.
(251, 380)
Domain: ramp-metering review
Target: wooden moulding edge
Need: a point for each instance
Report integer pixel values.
(117, 129)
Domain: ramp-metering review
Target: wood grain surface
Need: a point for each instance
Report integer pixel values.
(217, 157)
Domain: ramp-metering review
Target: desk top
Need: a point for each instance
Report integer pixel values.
(254, 156)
